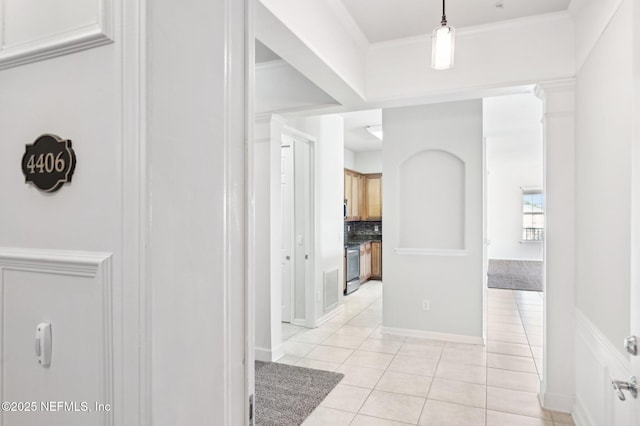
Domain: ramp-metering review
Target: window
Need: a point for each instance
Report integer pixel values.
(532, 215)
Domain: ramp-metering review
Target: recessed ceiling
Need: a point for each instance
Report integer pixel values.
(356, 136)
(381, 20)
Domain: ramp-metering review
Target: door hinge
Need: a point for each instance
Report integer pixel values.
(250, 410)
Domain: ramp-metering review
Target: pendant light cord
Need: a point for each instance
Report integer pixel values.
(444, 15)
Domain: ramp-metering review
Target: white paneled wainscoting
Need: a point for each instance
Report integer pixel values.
(598, 361)
(71, 291)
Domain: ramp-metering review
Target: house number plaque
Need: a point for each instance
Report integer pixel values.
(49, 162)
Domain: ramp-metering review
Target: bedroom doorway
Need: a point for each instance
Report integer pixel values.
(515, 228)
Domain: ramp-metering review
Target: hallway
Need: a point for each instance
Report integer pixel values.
(395, 380)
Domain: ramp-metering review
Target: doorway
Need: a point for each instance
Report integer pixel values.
(515, 227)
(297, 185)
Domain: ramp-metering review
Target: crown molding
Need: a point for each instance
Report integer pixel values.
(546, 18)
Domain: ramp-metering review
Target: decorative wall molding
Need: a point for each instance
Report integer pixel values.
(74, 38)
(556, 18)
(135, 211)
(74, 264)
(425, 334)
(597, 362)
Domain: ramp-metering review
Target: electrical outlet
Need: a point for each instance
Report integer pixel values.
(425, 305)
(348, 228)
(376, 228)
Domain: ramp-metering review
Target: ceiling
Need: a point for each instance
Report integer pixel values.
(356, 136)
(381, 20)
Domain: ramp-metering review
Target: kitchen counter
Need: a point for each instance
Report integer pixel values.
(362, 239)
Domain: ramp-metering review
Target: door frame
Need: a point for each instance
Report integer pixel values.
(309, 312)
(291, 264)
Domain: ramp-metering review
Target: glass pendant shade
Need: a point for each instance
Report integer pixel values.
(442, 47)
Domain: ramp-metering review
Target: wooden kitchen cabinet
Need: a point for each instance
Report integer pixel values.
(363, 194)
(365, 262)
(376, 260)
(356, 195)
(373, 197)
(348, 196)
(354, 191)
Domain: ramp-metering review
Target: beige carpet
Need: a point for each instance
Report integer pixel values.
(515, 274)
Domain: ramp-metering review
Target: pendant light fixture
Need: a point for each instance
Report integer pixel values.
(442, 44)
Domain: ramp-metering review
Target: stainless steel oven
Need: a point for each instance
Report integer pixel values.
(353, 269)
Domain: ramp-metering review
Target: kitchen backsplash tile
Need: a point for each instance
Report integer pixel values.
(355, 229)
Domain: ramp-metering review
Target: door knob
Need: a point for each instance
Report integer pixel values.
(288, 257)
(631, 386)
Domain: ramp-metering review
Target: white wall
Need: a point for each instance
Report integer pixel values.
(197, 216)
(78, 96)
(158, 190)
(504, 54)
(603, 203)
(312, 37)
(349, 159)
(368, 161)
(280, 87)
(513, 130)
(603, 149)
(328, 201)
(268, 238)
(450, 280)
(325, 33)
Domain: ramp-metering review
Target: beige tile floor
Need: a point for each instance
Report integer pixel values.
(393, 380)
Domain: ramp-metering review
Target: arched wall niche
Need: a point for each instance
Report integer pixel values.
(432, 201)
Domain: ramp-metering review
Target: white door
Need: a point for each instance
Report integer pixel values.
(286, 195)
(635, 215)
(303, 208)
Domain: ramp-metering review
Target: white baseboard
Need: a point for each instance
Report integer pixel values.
(328, 316)
(269, 355)
(317, 323)
(557, 402)
(424, 334)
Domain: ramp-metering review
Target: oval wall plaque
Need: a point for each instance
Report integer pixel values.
(49, 162)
